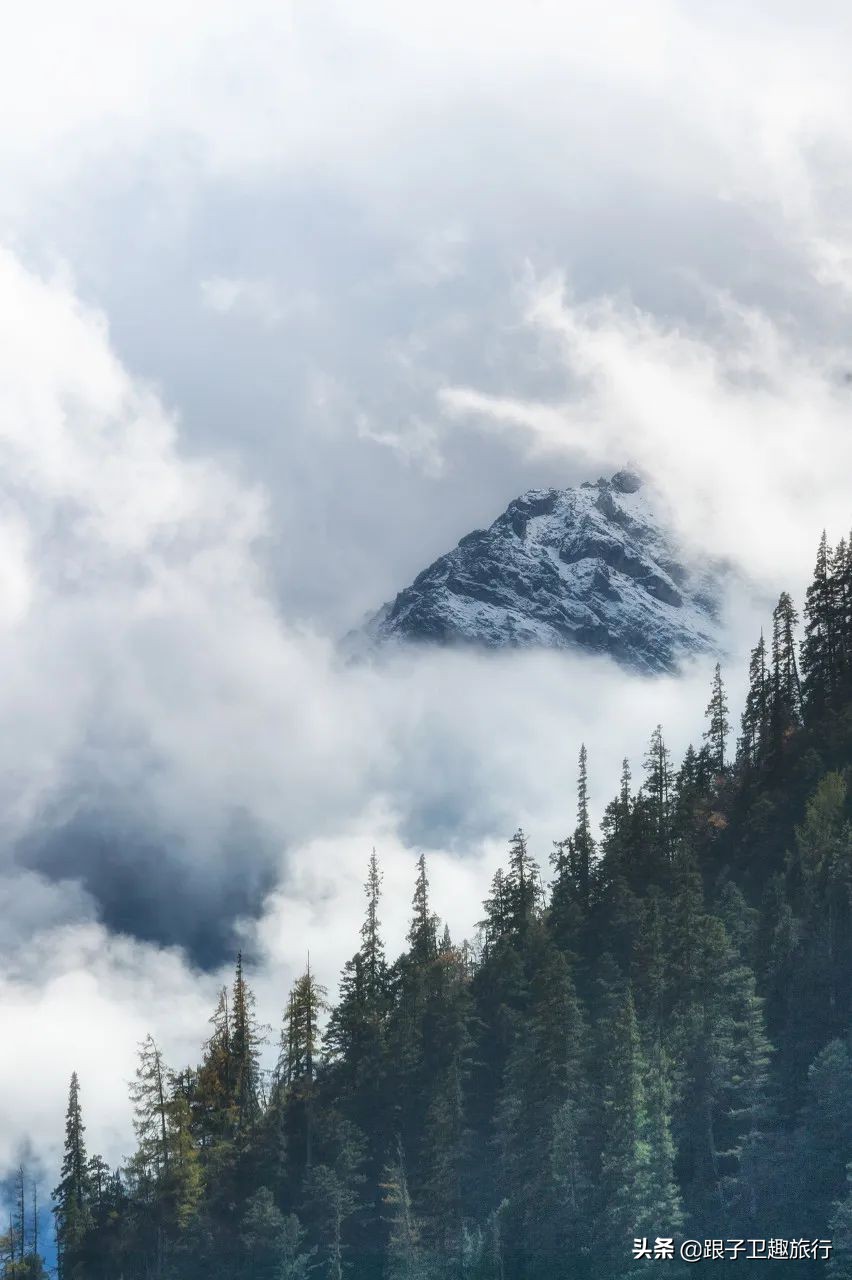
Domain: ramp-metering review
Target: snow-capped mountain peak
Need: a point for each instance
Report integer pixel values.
(590, 568)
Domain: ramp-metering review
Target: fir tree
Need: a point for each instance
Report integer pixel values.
(524, 894)
(422, 934)
(71, 1197)
(300, 1046)
(658, 790)
(407, 1259)
(825, 1134)
(584, 846)
(149, 1094)
(245, 1039)
(271, 1243)
(755, 717)
(785, 687)
(820, 647)
(372, 948)
(718, 725)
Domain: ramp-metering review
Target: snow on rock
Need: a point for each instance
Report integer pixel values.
(590, 567)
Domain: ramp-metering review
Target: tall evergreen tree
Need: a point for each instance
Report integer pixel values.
(524, 892)
(407, 1259)
(658, 790)
(584, 844)
(245, 1040)
(300, 1048)
(718, 725)
(785, 687)
(821, 641)
(422, 935)
(372, 947)
(755, 717)
(71, 1197)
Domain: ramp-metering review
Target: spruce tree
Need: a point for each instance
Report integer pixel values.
(372, 948)
(245, 1040)
(271, 1242)
(214, 1092)
(626, 1201)
(718, 725)
(584, 844)
(406, 1257)
(658, 790)
(824, 1138)
(524, 893)
(497, 922)
(785, 686)
(298, 1062)
(149, 1094)
(422, 934)
(71, 1197)
(820, 645)
(755, 717)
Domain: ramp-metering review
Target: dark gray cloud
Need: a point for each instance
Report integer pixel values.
(278, 326)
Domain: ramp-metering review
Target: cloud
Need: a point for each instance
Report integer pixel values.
(82, 1000)
(743, 433)
(352, 197)
(255, 299)
(308, 228)
(184, 771)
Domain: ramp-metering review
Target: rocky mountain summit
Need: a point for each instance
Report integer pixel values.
(589, 568)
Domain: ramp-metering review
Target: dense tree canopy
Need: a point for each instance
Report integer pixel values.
(656, 1043)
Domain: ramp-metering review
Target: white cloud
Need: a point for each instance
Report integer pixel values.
(256, 300)
(744, 433)
(412, 161)
(417, 442)
(83, 1001)
(146, 660)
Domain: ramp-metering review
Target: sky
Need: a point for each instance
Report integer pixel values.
(292, 296)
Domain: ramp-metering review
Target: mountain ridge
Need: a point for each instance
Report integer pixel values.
(590, 568)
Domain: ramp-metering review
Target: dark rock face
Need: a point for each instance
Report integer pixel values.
(588, 568)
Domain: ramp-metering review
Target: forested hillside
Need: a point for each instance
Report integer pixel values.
(650, 1040)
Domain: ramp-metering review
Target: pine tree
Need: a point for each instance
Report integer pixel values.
(186, 1177)
(422, 935)
(755, 717)
(524, 893)
(214, 1092)
(407, 1259)
(617, 843)
(149, 1094)
(824, 857)
(331, 1193)
(626, 1200)
(566, 915)
(271, 1243)
(718, 725)
(542, 1107)
(821, 641)
(300, 1048)
(584, 844)
(658, 790)
(825, 1133)
(19, 1221)
(71, 1197)
(785, 687)
(245, 1040)
(497, 922)
(372, 948)
(841, 573)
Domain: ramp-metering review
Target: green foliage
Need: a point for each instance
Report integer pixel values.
(656, 1043)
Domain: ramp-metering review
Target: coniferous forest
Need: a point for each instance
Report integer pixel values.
(651, 1039)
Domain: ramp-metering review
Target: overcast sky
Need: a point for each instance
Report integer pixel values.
(292, 296)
